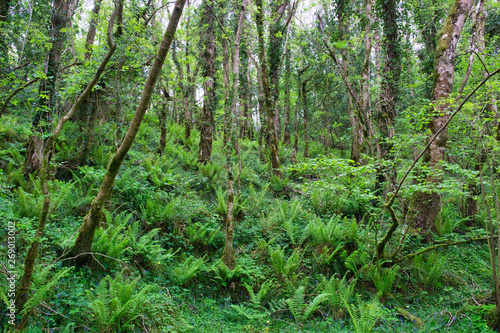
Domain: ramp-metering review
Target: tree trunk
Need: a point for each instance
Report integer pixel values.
(269, 98)
(162, 119)
(288, 78)
(389, 91)
(208, 56)
(46, 152)
(83, 243)
(229, 134)
(4, 49)
(62, 12)
(94, 19)
(426, 206)
(305, 115)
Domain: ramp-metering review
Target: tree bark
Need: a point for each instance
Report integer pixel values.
(426, 206)
(46, 152)
(229, 134)
(269, 97)
(389, 91)
(4, 49)
(288, 78)
(208, 56)
(83, 243)
(62, 12)
(94, 19)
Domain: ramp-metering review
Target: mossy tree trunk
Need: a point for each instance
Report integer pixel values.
(230, 111)
(62, 13)
(389, 91)
(47, 151)
(288, 78)
(426, 206)
(83, 243)
(269, 76)
(208, 56)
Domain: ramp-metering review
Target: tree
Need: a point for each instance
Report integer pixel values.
(62, 12)
(83, 242)
(207, 118)
(46, 152)
(270, 75)
(426, 206)
(389, 89)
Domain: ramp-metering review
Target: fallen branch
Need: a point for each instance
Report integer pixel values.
(437, 246)
(411, 317)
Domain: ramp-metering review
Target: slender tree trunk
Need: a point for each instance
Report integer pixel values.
(288, 78)
(62, 12)
(244, 91)
(46, 152)
(4, 49)
(229, 134)
(269, 98)
(83, 243)
(306, 118)
(327, 116)
(471, 208)
(389, 91)
(94, 19)
(426, 206)
(162, 119)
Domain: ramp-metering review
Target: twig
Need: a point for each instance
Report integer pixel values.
(92, 254)
(49, 308)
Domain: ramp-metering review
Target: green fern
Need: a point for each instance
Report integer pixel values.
(146, 248)
(285, 269)
(364, 316)
(221, 207)
(188, 268)
(116, 303)
(339, 291)
(258, 197)
(226, 276)
(201, 234)
(329, 234)
(42, 286)
(384, 279)
(112, 241)
(300, 310)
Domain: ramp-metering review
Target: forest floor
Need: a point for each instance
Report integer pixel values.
(157, 265)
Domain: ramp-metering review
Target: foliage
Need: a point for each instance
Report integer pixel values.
(116, 303)
(188, 268)
(300, 310)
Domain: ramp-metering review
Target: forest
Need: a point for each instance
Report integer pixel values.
(249, 166)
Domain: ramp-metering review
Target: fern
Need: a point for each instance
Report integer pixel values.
(325, 257)
(111, 241)
(364, 316)
(329, 234)
(339, 291)
(285, 269)
(287, 213)
(43, 287)
(146, 247)
(188, 268)
(258, 198)
(116, 303)
(384, 279)
(201, 234)
(300, 310)
(221, 208)
(226, 276)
